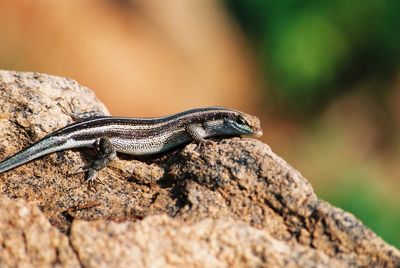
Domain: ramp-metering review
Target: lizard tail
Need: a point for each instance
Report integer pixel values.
(37, 149)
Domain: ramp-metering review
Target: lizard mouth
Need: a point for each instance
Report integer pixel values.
(258, 133)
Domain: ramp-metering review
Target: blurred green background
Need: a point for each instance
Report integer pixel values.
(312, 51)
(323, 76)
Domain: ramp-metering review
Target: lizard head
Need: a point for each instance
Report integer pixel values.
(233, 123)
(245, 124)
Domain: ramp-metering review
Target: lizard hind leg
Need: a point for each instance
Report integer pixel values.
(86, 115)
(80, 116)
(106, 153)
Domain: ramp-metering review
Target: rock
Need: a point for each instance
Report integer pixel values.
(233, 203)
(27, 239)
(159, 241)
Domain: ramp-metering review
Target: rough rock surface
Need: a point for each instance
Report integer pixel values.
(231, 204)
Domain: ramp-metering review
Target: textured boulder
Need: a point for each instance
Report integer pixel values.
(233, 203)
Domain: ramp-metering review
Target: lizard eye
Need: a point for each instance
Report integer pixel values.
(240, 120)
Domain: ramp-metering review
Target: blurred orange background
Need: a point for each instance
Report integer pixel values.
(141, 58)
(338, 125)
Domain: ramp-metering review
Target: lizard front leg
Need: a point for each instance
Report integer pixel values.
(106, 153)
(197, 132)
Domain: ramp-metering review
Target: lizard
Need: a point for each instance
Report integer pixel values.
(110, 135)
